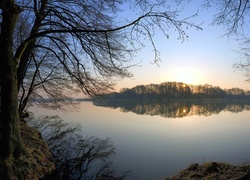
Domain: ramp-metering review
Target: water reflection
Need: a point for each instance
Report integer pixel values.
(76, 157)
(174, 109)
(154, 147)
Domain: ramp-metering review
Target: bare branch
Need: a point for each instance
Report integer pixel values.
(88, 41)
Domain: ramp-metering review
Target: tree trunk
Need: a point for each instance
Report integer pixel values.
(10, 142)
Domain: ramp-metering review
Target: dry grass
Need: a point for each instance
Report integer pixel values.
(214, 171)
(36, 161)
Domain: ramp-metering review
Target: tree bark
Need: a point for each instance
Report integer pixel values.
(10, 142)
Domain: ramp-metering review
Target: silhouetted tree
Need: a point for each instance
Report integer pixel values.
(233, 17)
(84, 43)
(173, 90)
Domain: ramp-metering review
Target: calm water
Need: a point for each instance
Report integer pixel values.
(154, 146)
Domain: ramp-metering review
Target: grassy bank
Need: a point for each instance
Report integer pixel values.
(35, 164)
(214, 171)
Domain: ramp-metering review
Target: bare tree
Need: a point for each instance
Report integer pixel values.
(71, 45)
(46, 83)
(92, 58)
(234, 16)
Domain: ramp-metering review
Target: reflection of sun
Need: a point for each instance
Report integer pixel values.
(185, 110)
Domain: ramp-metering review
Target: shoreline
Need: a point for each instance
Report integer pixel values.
(208, 170)
(213, 171)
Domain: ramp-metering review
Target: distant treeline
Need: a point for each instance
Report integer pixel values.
(177, 90)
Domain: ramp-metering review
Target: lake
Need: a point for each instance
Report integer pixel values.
(154, 145)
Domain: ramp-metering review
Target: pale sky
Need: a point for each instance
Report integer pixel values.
(206, 58)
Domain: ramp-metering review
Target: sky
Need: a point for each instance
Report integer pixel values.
(207, 57)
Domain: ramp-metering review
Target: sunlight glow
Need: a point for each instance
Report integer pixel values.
(186, 78)
(186, 75)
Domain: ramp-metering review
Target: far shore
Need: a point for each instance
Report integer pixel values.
(166, 100)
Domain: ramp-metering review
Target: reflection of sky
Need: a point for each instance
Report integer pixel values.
(155, 147)
(206, 58)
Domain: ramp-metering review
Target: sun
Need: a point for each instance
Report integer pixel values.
(187, 76)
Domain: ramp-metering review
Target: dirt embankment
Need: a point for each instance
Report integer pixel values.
(214, 171)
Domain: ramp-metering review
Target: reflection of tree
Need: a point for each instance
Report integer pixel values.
(170, 110)
(247, 107)
(77, 157)
(174, 109)
(236, 108)
(207, 109)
